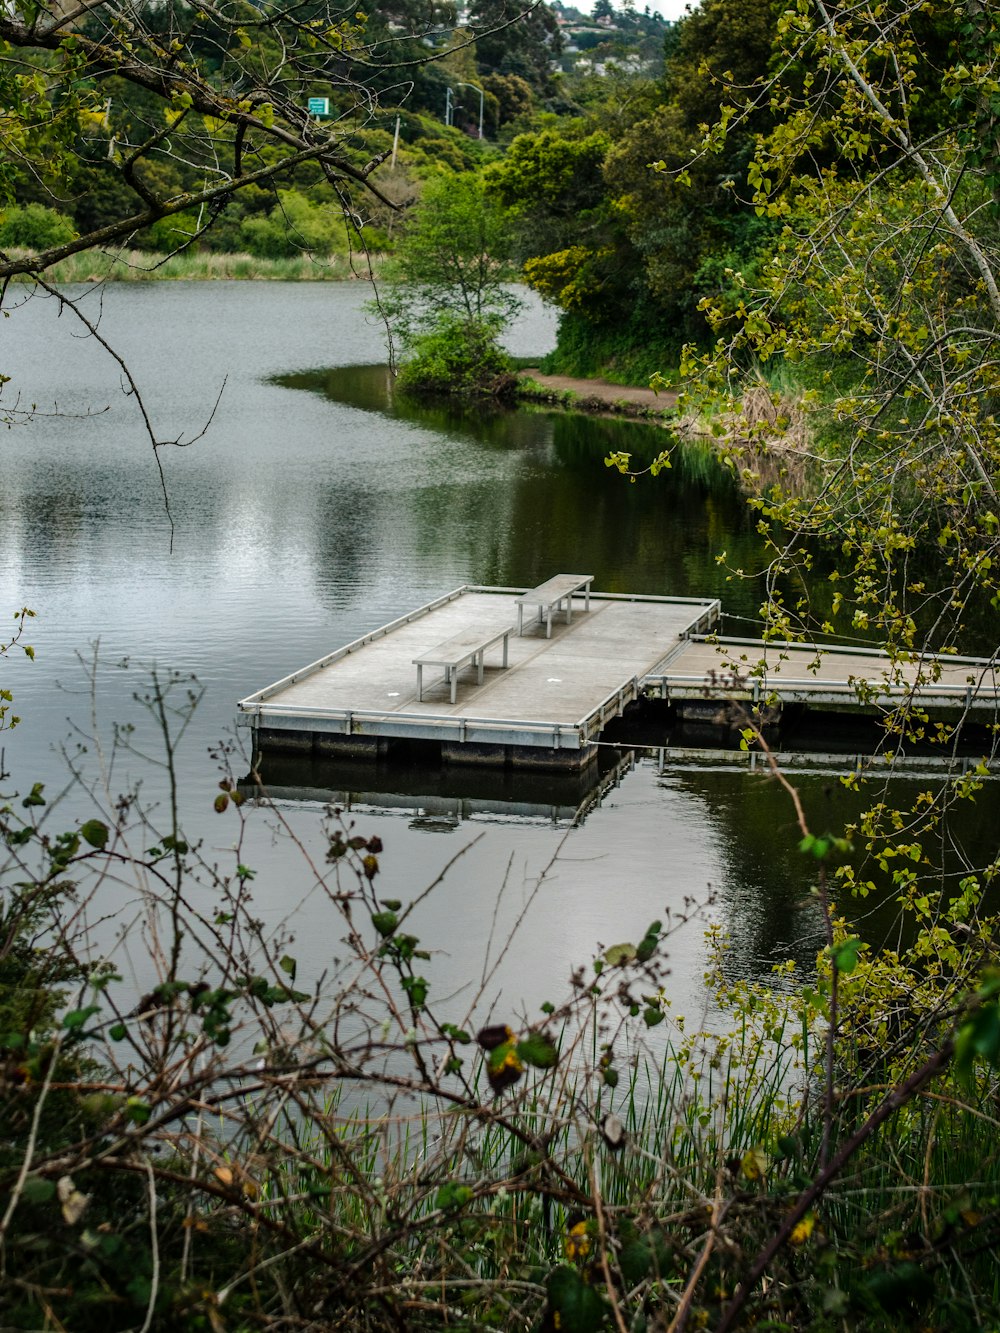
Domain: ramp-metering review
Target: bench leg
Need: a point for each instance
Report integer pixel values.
(451, 675)
(420, 684)
(479, 663)
(505, 638)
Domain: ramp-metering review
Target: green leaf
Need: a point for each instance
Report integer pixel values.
(76, 1018)
(452, 1195)
(137, 1111)
(35, 796)
(289, 966)
(456, 1034)
(575, 1306)
(618, 954)
(385, 922)
(539, 1050)
(978, 1036)
(37, 1190)
(651, 1016)
(845, 955)
(636, 1260)
(647, 946)
(644, 1255)
(94, 832)
(118, 1032)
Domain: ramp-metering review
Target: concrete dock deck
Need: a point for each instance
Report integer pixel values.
(556, 694)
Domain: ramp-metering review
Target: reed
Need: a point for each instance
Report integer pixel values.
(204, 266)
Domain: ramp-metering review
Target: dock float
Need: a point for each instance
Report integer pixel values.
(540, 701)
(469, 679)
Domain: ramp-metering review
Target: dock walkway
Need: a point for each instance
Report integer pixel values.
(831, 675)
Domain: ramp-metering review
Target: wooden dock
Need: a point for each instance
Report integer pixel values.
(548, 705)
(457, 675)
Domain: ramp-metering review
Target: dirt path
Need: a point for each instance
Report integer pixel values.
(605, 391)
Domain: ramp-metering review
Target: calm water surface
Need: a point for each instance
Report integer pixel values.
(317, 507)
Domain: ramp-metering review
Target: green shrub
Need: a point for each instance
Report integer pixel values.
(294, 225)
(168, 234)
(459, 357)
(34, 227)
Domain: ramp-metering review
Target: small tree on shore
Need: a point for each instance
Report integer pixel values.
(452, 297)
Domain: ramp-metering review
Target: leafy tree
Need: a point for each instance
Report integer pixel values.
(883, 291)
(550, 184)
(460, 358)
(452, 261)
(122, 121)
(517, 39)
(626, 254)
(513, 95)
(34, 227)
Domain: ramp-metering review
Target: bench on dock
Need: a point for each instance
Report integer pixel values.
(551, 595)
(465, 649)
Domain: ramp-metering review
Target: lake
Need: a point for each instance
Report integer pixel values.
(317, 507)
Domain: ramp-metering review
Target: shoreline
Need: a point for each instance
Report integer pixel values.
(596, 395)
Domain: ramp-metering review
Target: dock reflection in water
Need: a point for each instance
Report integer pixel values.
(438, 798)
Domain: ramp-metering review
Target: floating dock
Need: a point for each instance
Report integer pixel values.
(545, 708)
(543, 697)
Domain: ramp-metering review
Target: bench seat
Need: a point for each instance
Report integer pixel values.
(465, 649)
(551, 595)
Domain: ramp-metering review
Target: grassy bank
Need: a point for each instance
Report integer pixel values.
(138, 266)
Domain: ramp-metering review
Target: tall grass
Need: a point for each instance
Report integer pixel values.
(192, 266)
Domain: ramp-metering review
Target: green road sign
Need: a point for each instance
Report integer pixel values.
(319, 106)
